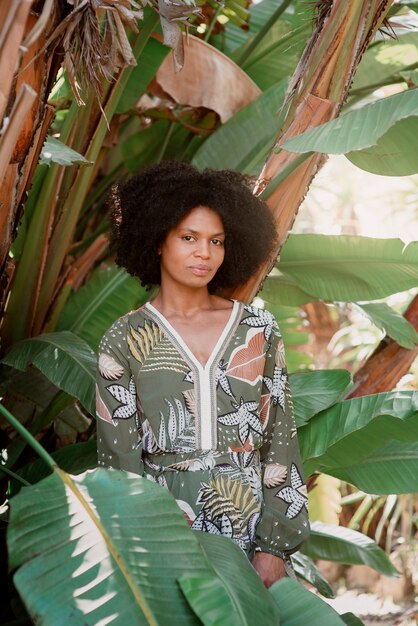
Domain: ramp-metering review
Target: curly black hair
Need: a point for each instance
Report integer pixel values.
(151, 203)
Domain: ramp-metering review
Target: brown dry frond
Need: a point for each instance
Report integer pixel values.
(95, 42)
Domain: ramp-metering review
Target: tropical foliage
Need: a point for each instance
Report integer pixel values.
(63, 291)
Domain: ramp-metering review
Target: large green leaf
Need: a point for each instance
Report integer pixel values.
(392, 322)
(344, 418)
(347, 268)
(337, 543)
(379, 137)
(152, 56)
(392, 468)
(109, 293)
(110, 546)
(298, 605)
(246, 592)
(64, 358)
(385, 59)
(277, 54)
(317, 390)
(243, 142)
(371, 441)
(280, 289)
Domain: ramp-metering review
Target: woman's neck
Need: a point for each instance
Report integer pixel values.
(184, 302)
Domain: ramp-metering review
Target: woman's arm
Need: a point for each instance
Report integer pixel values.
(119, 436)
(284, 521)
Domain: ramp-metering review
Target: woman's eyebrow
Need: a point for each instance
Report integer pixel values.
(196, 232)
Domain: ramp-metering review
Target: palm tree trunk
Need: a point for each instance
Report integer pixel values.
(316, 94)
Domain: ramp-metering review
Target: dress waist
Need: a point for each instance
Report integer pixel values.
(196, 460)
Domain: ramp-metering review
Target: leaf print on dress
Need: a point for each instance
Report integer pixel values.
(227, 505)
(260, 318)
(102, 411)
(177, 431)
(127, 399)
(274, 475)
(221, 378)
(296, 495)
(109, 368)
(247, 362)
(142, 340)
(245, 417)
(277, 387)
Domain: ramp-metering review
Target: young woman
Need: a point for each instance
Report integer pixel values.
(192, 387)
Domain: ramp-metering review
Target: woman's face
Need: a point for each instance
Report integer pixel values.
(194, 250)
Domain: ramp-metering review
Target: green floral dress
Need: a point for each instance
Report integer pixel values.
(220, 437)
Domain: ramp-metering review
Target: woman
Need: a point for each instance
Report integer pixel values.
(192, 387)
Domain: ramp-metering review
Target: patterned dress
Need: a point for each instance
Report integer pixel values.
(220, 437)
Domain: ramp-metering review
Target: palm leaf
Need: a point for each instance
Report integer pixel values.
(109, 293)
(336, 543)
(392, 322)
(378, 137)
(64, 358)
(347, 268)
(299, 606)
(315, 391)
(90, 549)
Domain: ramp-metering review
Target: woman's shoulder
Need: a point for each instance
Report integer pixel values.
(120, 325)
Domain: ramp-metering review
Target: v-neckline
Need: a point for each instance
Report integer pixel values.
(183, 345)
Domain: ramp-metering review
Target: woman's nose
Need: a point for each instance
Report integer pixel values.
(203, 249)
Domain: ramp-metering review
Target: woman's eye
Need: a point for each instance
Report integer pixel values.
(187, 237)
(217, 242)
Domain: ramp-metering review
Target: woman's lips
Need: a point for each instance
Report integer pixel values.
(200, 270)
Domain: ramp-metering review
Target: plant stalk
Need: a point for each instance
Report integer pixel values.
(262, 32)
(28, 437)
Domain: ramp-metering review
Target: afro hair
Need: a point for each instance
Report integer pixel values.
(151, 203)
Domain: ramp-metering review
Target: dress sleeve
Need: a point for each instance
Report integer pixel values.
(284, 521)
(119, 435)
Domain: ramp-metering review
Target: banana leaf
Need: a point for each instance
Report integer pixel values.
(110, 546)
(306, 569)
(299, 606)
(383, 61)
(350, 435)
(390, 469)
(379, 137)
(109, 293)
(315, 391)
(55, 151)
(392, 322)
(337, 543)
(243, 142)
(64, 358)
(347, 268)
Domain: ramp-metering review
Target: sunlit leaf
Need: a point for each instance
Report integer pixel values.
(378, 137)
(337, 543)
(347, 268)
(54, 151)
(392, 322)
(306, 569)
(91, 549)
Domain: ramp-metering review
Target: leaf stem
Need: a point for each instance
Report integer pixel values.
(12, 474)
(262, 32)
(28, 437)
(213, 22)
